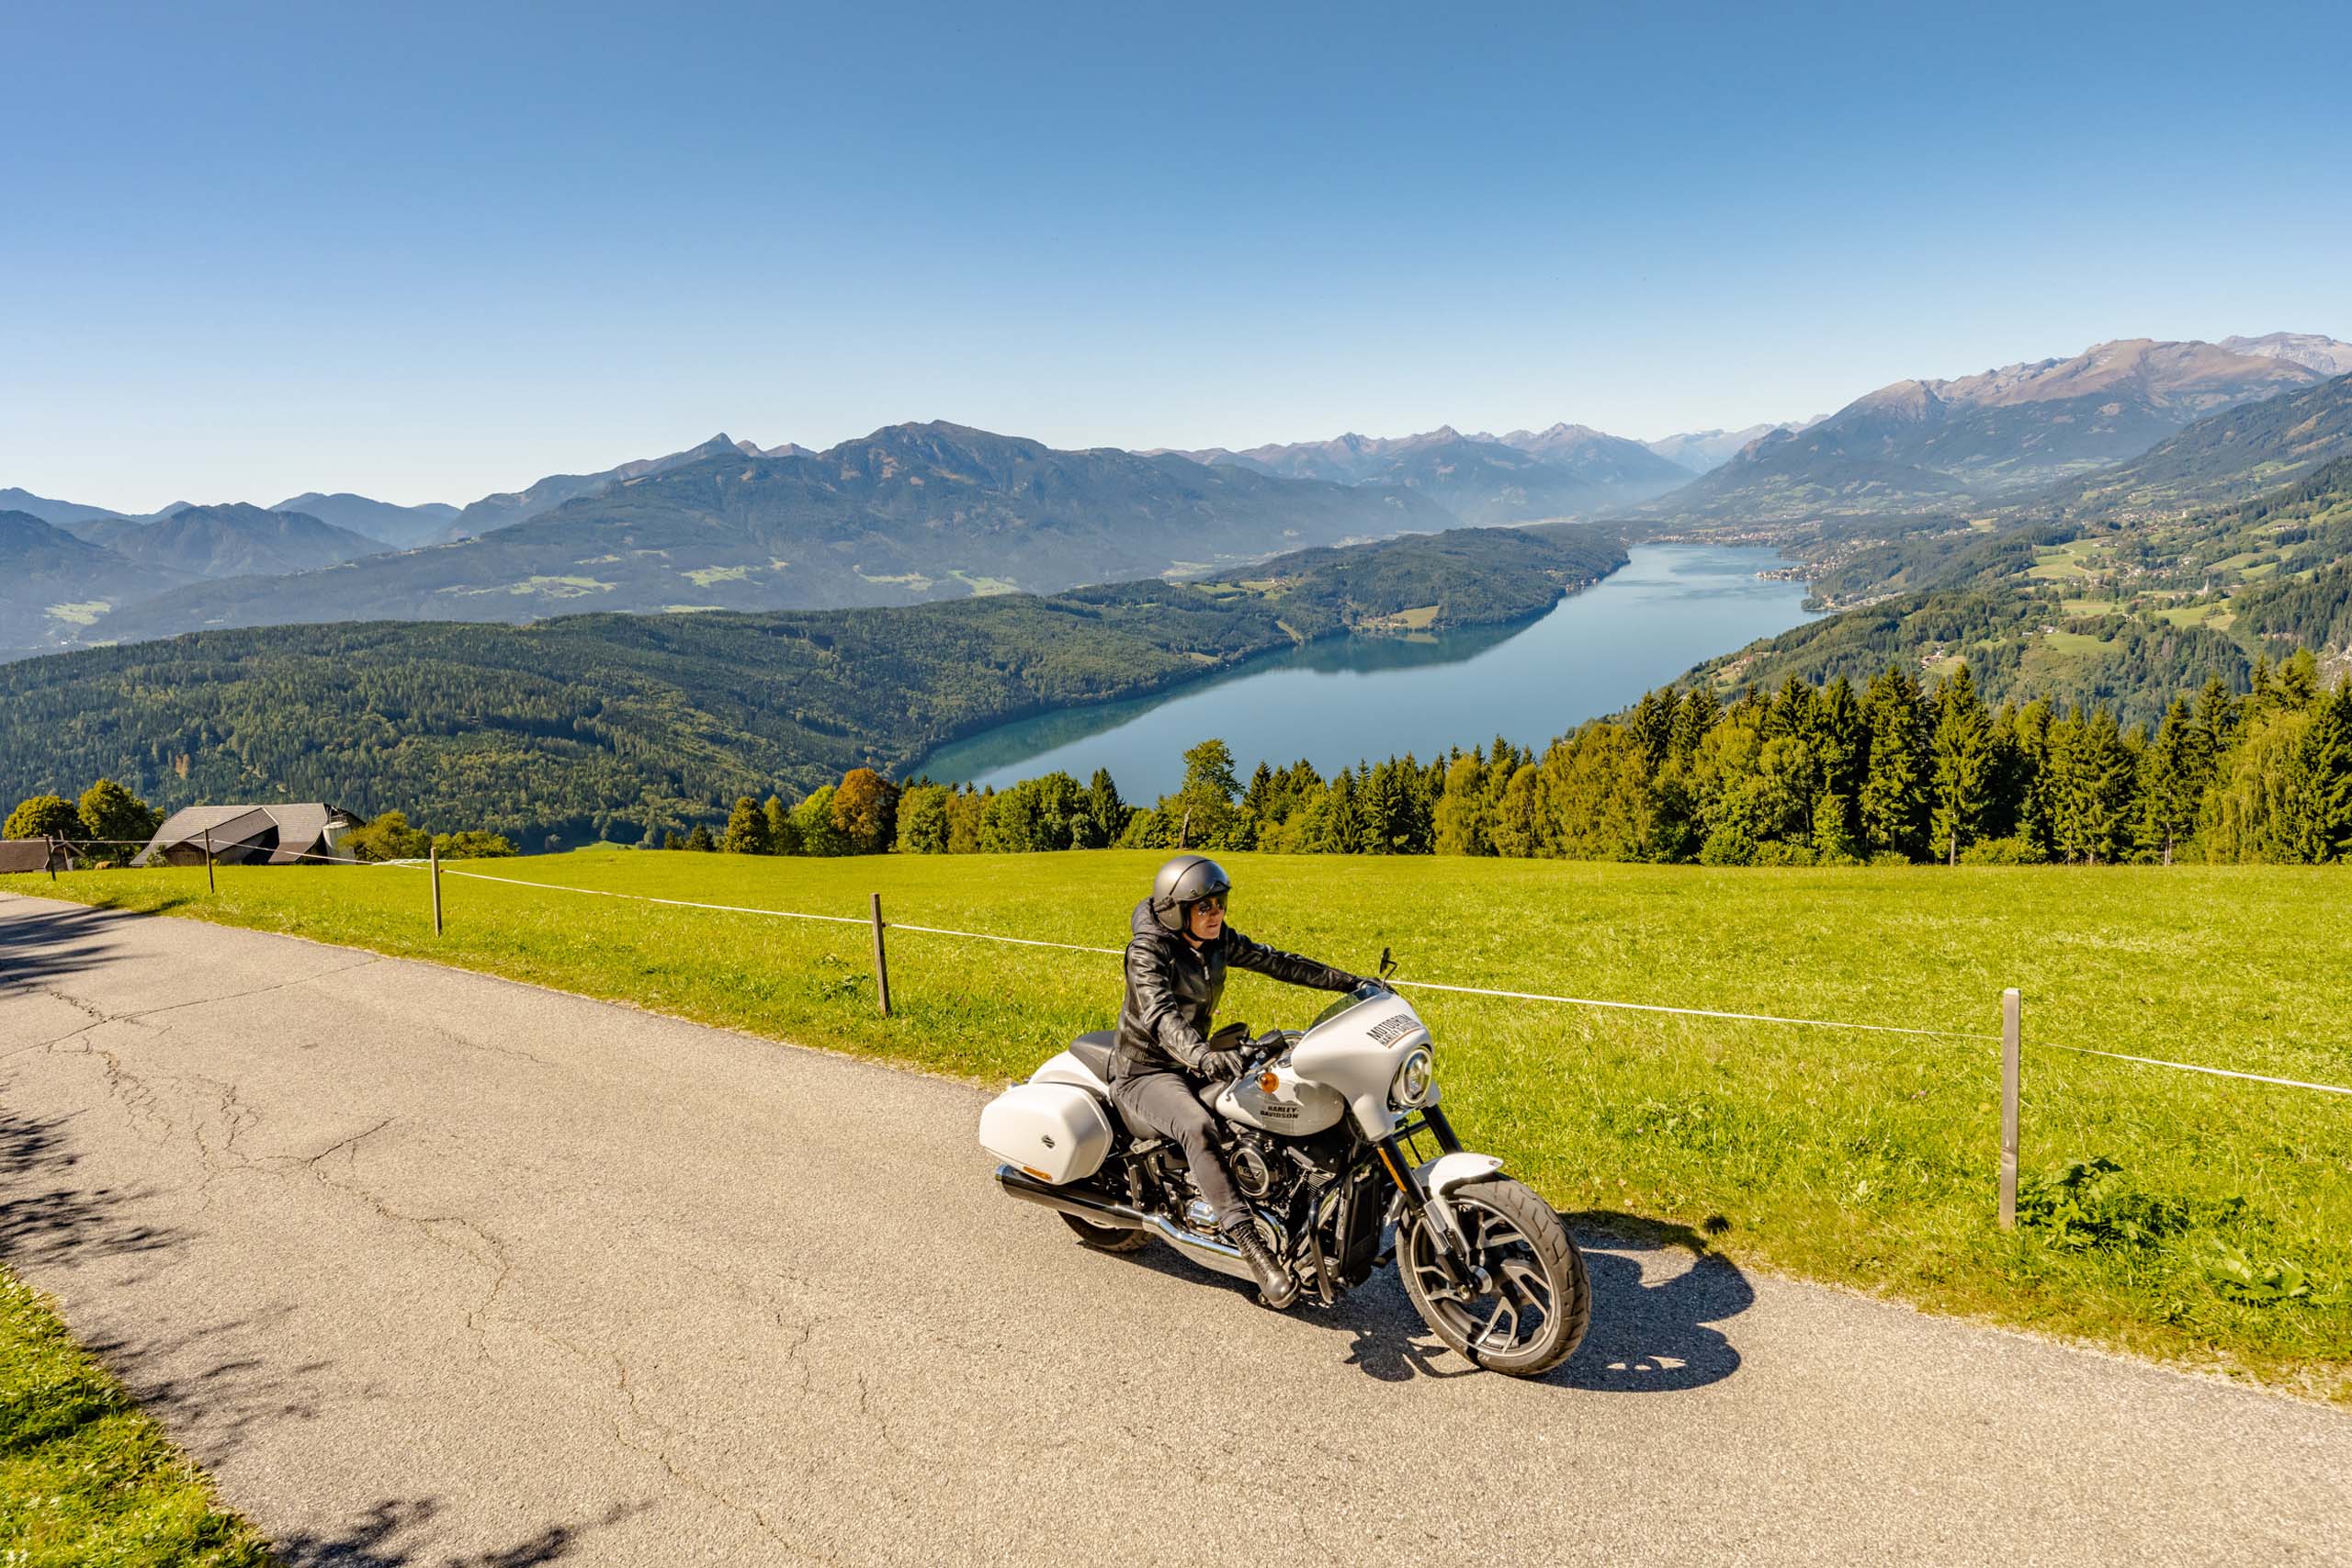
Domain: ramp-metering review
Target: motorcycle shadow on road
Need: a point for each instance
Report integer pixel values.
(1652, 1337)
(1646, 1337)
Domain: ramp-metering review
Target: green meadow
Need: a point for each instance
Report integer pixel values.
(2201, 1220)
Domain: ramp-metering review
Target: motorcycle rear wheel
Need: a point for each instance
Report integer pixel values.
(1514, 1235)
(1105, 1238)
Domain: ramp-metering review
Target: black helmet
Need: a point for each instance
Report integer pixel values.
(1183, 882)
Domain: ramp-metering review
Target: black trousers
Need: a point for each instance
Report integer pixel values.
(1170, 1104)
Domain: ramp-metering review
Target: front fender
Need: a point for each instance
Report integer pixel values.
(1439, 1178)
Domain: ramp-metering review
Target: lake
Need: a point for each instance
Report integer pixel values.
(1344, 699)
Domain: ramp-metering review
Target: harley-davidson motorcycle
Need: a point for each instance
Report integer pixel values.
(1323, 1134)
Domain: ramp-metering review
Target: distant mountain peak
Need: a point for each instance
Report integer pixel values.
(2314, 351)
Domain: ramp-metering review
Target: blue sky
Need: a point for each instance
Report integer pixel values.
(428, 252)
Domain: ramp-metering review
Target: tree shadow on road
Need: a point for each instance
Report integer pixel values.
(386, 1536)
(38, 945)
(40, 1224)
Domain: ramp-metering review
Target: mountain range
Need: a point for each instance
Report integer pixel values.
(1999, 433)
(910, 512)
(1569, 470)
(918, 512)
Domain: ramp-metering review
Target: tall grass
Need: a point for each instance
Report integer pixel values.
(2214, 1233)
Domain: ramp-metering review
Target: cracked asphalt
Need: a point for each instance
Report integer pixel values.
(430, 1267)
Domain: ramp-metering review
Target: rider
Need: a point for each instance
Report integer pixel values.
(1176, 963)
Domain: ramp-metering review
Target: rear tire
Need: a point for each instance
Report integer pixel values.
(1513, 1233)
(1105, 1238)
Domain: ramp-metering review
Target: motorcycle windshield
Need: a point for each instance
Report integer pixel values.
(1354, 999)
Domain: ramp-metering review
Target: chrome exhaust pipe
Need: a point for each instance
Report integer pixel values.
(1210, 1252)
(1068, 1200)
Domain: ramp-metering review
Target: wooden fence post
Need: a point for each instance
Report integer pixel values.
(433, 859)
(2012, 1031)
(209, 885)
(48, 841)
(881, 962)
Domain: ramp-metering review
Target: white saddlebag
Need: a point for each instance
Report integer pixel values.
(1056, 1132)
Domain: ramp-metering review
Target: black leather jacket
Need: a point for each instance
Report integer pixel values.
(1173, 989)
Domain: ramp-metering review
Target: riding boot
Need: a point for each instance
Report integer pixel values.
(1275, 1287)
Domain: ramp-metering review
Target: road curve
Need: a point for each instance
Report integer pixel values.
(430, 1267)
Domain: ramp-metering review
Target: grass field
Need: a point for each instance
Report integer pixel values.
(2222, 1239)
(84, 1478)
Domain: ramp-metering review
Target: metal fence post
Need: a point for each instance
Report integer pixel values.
(209, 885)
(2012, 1031)
(433, 859)
(881, 961)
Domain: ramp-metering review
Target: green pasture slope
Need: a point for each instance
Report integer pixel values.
(2223, 1240)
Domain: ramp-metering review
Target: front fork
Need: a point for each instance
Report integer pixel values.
(1437, 1218)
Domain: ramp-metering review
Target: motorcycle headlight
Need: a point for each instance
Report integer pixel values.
(1414, 1076)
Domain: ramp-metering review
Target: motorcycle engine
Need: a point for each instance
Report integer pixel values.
(1253, 1164)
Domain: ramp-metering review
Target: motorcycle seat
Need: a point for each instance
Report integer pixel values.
(1094, 1051)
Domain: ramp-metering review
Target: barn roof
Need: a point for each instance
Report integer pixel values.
(297, 827)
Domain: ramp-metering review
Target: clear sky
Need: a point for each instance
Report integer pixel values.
(427, 252)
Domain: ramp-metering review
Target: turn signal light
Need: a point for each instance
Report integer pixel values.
(1269, 1082)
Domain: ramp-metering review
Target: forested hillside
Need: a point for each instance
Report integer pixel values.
(620, 725)
(2225, 544)
(1812, 775)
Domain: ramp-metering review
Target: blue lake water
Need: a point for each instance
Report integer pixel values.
(1346, 699)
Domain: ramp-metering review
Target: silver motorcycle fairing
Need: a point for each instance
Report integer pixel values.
(1355, 1048)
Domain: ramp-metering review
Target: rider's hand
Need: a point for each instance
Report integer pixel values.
(1224, 1064)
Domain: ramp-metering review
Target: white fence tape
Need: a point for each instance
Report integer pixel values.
(1696, 1012)
(1418, 984)
(649, 898)
(2193, 1068)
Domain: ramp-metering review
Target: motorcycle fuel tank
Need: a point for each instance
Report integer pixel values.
(1292, 1108)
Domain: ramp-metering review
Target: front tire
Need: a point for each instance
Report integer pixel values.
(1523, 1331)
(1105, 1238)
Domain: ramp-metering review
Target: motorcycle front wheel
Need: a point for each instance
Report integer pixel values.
(1537, 1301)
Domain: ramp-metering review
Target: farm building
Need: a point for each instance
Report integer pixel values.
(30, 854)
(250, 835)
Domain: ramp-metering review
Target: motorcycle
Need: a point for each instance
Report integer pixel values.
(1322, 1133)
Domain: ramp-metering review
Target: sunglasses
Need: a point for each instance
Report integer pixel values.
(1213, 904)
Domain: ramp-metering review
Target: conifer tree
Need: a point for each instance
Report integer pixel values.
(1105, 814)
(2091, 772)
(747, 828)
(2174, 773)
(1894, 795)
(1838, 741)
(1697, 715)
(2217, 715)
(1961, 757)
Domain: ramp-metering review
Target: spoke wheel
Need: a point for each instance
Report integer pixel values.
(1536, 1302)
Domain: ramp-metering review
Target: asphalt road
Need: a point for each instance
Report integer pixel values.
(434, 1269)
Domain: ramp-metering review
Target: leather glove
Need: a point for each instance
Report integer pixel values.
(1221, 1065)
